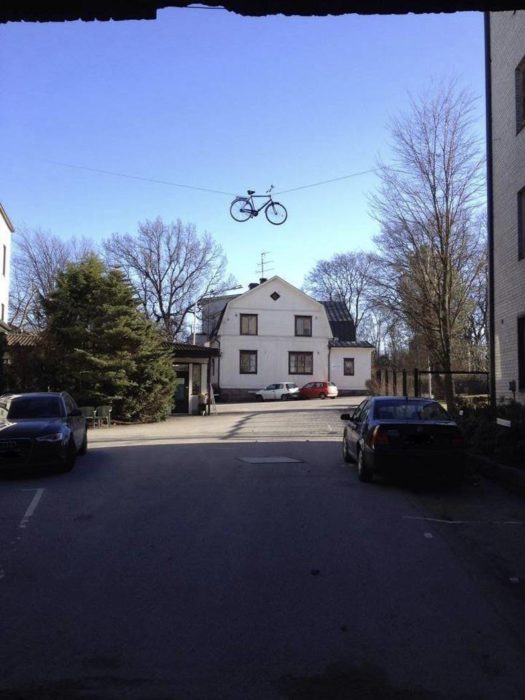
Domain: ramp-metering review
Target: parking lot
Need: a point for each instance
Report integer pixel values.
(236, 555)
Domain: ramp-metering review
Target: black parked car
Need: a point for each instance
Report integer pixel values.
(387, 434)
(41, 430)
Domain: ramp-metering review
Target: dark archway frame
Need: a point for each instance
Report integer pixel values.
(105, 10)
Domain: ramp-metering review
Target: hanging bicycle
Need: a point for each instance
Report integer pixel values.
(243, 208)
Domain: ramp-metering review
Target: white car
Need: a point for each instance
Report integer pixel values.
(282, 390)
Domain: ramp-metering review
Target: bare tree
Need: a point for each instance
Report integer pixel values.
(345, 277)
(426, 205)
(171, 267)
(38, 256)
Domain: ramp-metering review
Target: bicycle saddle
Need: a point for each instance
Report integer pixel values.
(251, 191)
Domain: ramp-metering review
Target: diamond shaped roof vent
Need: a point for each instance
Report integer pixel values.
(275, 296)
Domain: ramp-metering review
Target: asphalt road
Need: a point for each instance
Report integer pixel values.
(237, 557)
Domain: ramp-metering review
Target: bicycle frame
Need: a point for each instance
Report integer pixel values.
(244, 207)
(253, 208)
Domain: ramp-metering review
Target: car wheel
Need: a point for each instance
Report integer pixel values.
(364, 472)
(83, 446)
(284, 397)
(346, 454)
(259, 397)
(71, 455)
(322, 396)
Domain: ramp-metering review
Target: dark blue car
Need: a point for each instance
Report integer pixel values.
(44, 429)
(392, 434)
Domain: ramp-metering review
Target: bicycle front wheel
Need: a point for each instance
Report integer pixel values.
(241, 209)
(276, 213)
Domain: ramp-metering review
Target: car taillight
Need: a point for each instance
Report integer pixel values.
(458, 441)
(379, 437)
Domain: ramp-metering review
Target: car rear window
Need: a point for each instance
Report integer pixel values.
(430, 410)
(35, 407)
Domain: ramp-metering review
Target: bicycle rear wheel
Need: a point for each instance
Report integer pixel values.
(241, 209)
(276, 213)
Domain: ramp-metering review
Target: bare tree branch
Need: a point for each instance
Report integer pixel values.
(171, 267)
(431, 257)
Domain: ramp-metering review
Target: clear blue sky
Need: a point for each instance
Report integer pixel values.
(210, 99)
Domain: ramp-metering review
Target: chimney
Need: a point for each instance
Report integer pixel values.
(263, 279)
(252, 285)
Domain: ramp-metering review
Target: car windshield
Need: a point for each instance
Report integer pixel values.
(405, 410)
(35, 407)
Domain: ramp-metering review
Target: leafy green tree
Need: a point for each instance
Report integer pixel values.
(101, 348)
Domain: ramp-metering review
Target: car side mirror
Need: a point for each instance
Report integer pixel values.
(348, 416)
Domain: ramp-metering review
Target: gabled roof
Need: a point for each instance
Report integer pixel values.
(337, 311)
(271, 281)
(20, 339)
(6, 219)
(340, 320)
(336, 343)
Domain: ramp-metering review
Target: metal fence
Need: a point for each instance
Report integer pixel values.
(468, 384)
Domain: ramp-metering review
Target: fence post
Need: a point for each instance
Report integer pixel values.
(394, 382)
(405, 387)
(386, 381)
(416, 382)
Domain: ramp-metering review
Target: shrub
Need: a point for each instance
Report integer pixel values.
(485, 436)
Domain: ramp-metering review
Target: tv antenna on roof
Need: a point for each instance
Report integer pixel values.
(264, 266)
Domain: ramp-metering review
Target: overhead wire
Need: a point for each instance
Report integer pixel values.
(138, 177)
(203, 189)
(326, 182)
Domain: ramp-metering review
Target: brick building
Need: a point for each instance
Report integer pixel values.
(506, 150)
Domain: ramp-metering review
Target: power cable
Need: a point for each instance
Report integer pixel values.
(138, 177)
(204, 189)
(326, 182)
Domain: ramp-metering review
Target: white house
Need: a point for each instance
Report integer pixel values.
(6, 230)
(275, 332)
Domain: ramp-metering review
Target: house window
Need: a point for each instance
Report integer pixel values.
(521, 353)
(248, 324)
(521, 224)
(300, 363)
(520, 95)
(348, 366)
(248, 362)
(4, 260)
(303, 325)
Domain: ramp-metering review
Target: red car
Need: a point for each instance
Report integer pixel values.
(318, 390)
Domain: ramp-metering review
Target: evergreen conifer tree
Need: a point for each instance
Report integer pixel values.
(101, 348)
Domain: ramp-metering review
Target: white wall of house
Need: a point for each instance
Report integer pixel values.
(275, 336)
(507, 30)
(362, 368)
(6, 231)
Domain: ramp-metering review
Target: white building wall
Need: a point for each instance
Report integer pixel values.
(275, 338)
(362, 368)
(507, 31)
(5, 267)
